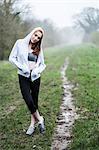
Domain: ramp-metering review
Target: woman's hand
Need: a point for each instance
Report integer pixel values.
(32, 65)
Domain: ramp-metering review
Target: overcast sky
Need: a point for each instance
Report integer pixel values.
(59, 11)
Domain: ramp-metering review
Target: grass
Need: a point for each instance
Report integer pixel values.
(83, 70)
(12, 126)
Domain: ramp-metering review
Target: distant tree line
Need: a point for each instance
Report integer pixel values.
(13, 27)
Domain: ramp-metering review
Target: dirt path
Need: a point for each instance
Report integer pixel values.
(63, 131)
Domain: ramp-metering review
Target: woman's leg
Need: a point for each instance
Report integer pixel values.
(40, 122)
(37, 116)
(26, 93)
(35, 86)
(35, 92)
(33, 121)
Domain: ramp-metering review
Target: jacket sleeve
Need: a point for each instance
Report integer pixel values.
(13, 56)
(40, 63)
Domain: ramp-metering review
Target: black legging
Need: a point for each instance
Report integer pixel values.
(30, 92)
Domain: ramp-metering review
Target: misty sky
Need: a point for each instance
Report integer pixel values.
(59, 11)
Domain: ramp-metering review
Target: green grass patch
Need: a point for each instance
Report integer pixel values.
(83, 69)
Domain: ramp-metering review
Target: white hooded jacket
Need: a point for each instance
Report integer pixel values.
(19, 57)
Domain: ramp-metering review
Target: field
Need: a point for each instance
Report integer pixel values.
(83, 72)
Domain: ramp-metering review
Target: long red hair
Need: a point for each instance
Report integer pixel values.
(36, 46)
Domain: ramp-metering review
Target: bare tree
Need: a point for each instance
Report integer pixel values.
(88, 20)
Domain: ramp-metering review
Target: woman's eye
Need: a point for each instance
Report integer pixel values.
(38, 37)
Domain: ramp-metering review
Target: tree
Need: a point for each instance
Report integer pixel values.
(6, 25)
(11, 27)
(88, 20)
(15, 23)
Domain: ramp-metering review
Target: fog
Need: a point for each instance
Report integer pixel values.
(65, 22)
(60, 14)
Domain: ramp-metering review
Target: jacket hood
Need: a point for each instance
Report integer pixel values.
(28, 37)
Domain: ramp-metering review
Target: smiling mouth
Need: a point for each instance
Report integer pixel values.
(33, 41)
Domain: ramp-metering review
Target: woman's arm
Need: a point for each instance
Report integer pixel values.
(13, 58)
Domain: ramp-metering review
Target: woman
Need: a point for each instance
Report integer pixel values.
(27, 56)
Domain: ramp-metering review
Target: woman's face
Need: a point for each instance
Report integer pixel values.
(36, 36)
